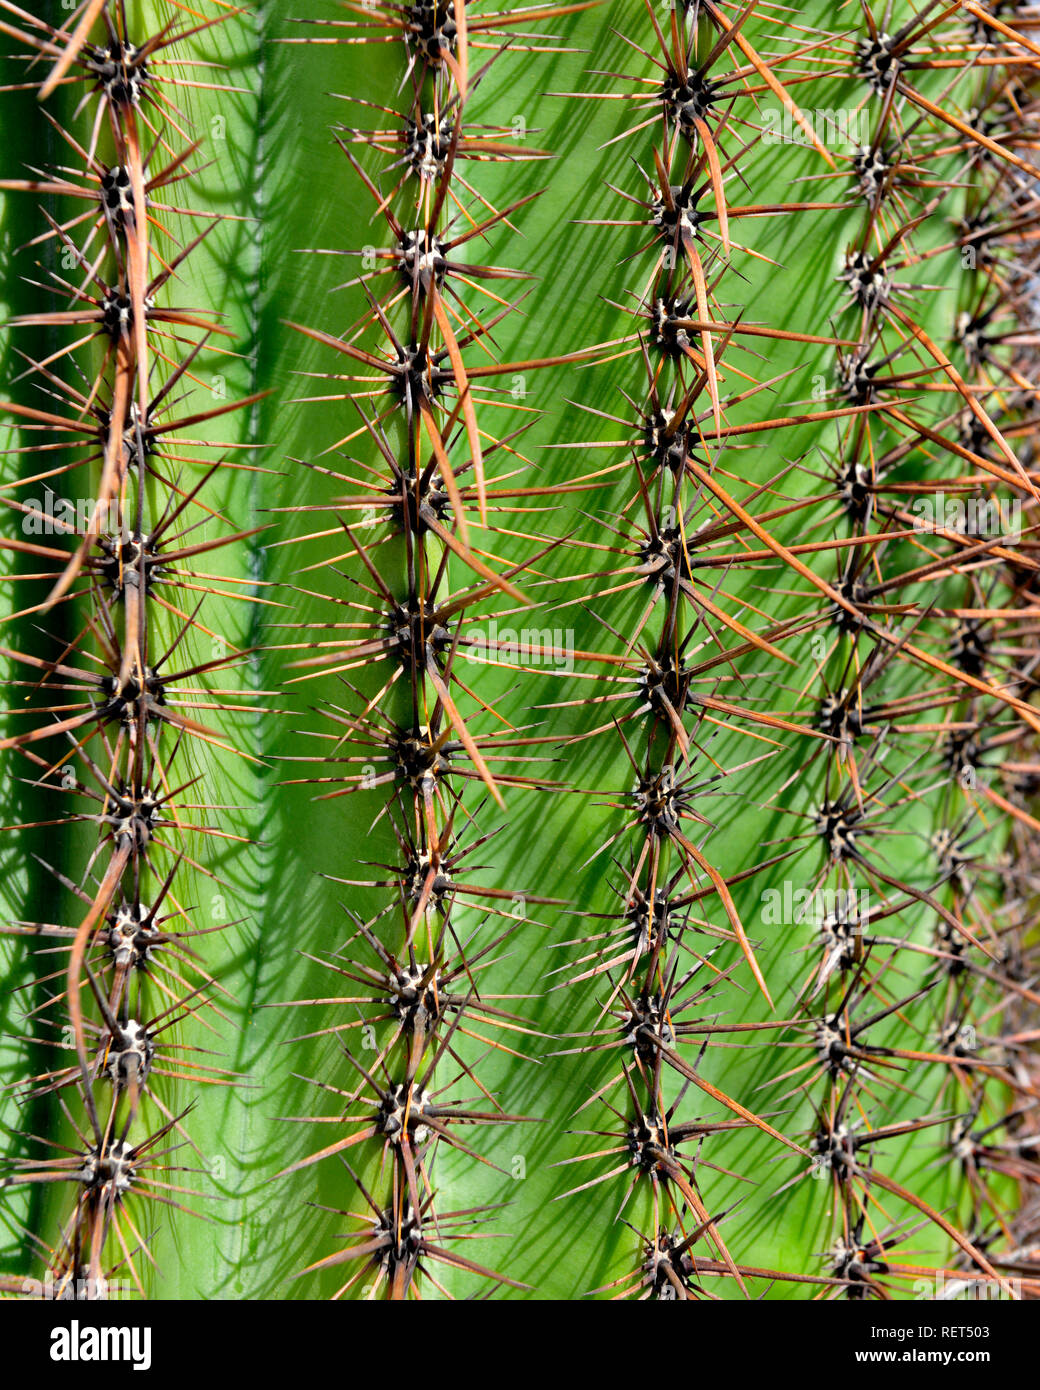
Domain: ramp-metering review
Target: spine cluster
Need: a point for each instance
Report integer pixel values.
(904, 556)
(122, 692)
(416, 641)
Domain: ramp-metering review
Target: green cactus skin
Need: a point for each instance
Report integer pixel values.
(825, 1112)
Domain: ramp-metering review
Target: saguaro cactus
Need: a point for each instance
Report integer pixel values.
(521, 640)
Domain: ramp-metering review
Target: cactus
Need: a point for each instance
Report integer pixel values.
(521, 751)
